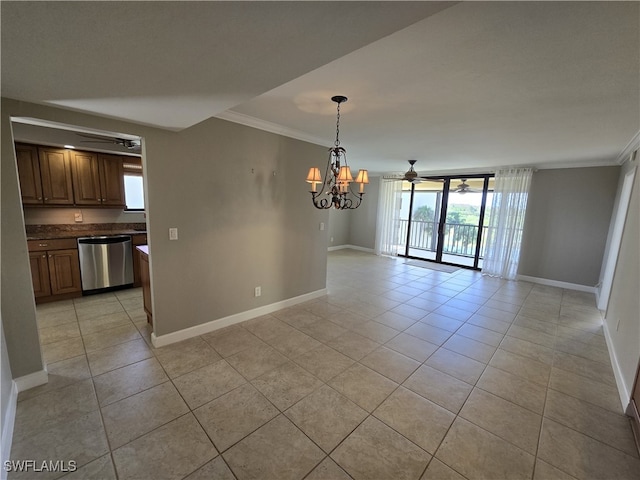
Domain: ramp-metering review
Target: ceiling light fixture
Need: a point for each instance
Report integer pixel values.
(336, 190)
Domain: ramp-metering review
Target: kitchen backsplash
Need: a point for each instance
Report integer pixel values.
(83, 227)
(57, 216)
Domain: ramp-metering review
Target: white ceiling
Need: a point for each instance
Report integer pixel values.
(467, 86)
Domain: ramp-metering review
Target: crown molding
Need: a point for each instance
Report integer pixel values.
(254, 122)
(633, 145)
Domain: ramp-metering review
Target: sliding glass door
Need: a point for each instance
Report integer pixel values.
(442, 218)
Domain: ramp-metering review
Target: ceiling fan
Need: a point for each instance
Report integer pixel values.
(410, 175)
(464, 187)
(125, 142)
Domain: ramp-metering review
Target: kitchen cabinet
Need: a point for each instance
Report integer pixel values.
(29, 174)
(55, 269)
(40, 274)
(98, 179)
(143, 253)
(45, 175)
(136, 240)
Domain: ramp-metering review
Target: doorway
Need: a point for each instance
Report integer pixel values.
(444, 219)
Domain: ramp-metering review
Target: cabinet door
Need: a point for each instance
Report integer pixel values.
(112, 180)
(146, 284)
(137, 240)
(64, 271)
(29, 173)
(86, 178)
(40, 274)
(55, 171)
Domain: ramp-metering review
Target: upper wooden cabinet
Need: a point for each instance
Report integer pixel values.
(86, 178)
(111, 180)
(98, 179)
(45, 175)
(55, 176)
(29, 173)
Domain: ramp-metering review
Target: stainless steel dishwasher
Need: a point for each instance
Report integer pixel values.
(106, 262)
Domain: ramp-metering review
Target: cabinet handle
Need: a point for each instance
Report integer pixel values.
(39, 198)
(43, 244)
(46, 198)
(50, 256)
(44, 256)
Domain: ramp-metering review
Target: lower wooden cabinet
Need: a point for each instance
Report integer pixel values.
(55, 269)
(139, 239)
(146, 284)
(40, 274)
(64, 272)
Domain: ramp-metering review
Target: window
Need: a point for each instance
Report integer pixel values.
(133, 184)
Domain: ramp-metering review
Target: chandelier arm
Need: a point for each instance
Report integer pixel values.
(321, 204)
(359, 199)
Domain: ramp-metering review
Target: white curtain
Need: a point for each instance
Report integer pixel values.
(388, 227)
(506, 220)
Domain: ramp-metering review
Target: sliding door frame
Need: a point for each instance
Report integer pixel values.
(442, 220)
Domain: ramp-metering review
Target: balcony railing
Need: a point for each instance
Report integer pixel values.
(459, 238)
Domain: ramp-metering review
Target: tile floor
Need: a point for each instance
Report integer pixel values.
(402, 373)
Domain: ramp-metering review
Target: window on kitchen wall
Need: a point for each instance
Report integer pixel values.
(133, 184)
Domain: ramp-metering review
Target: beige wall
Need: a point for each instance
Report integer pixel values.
(357, 227)
(237, 229)
(362, 230)
(17, 306)
(568, 216)
(5, 380)
(339, 221)
(240, 225)
(622, 318)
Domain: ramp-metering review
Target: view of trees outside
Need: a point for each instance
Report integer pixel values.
(463, 216)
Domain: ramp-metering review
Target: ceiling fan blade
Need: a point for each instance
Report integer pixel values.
(95, 137)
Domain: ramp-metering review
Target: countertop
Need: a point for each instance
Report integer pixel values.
(83, 233)
(60, 231)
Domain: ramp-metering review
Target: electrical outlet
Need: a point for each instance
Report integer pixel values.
(258, 291)
(173, 234)
(77, 217)
(321, 225)
(331, 239)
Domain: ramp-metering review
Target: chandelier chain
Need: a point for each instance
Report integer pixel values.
(337, 142)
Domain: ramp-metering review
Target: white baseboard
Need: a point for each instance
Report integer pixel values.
(623, 391)
(556, 283)
(32, 380)
(7, 427)
(352, 247)
(169, 338)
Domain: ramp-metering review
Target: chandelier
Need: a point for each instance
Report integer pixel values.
(336, 188)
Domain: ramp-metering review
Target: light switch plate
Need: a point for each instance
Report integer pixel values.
(173, 234)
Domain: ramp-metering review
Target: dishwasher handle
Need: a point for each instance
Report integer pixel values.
(105, 239)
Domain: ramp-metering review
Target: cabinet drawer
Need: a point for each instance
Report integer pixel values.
(55, 244)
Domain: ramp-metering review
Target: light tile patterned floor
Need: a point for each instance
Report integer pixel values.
(402, 372)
